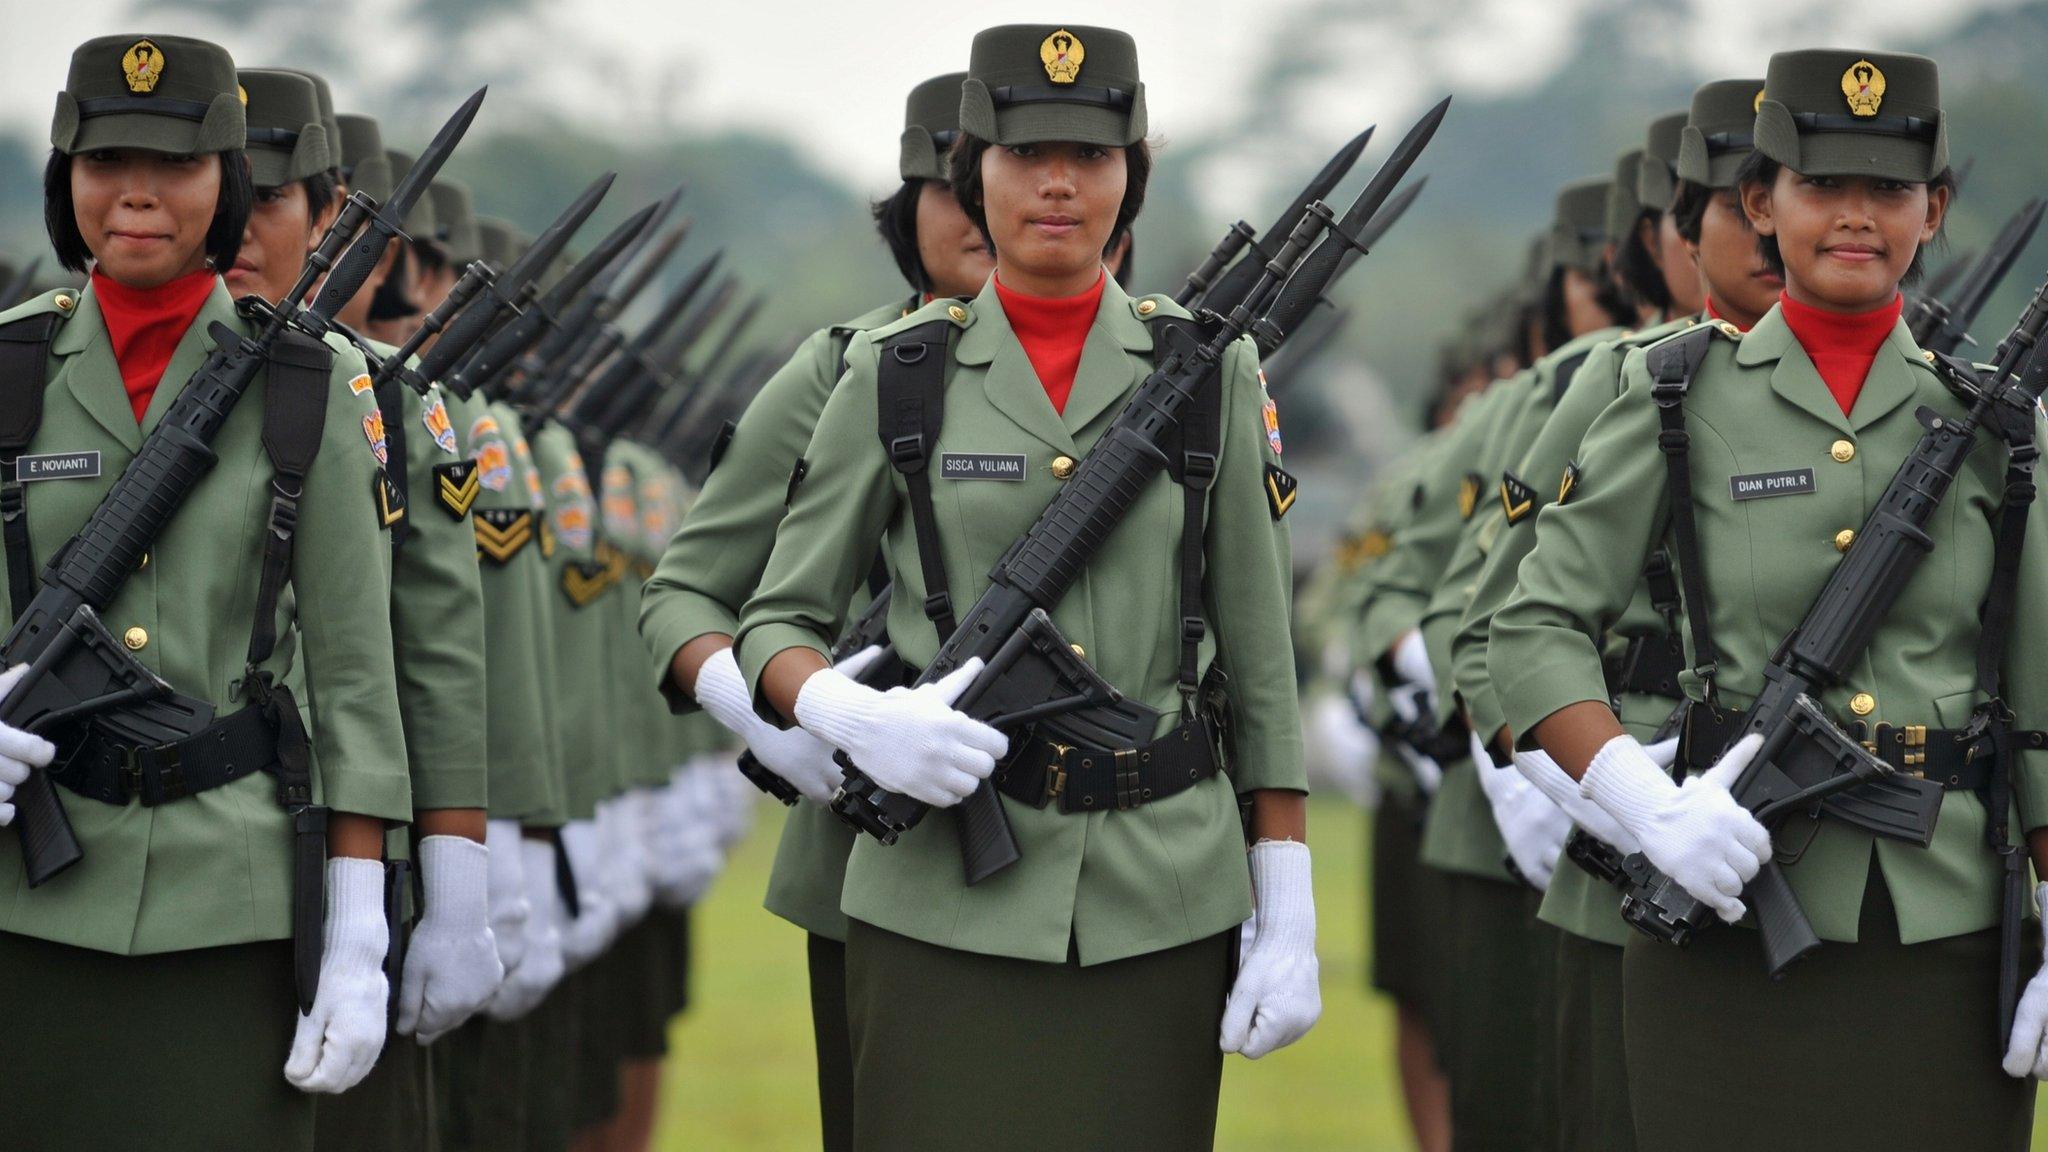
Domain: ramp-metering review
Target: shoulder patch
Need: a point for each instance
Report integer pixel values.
(584, 581)
(359, 384)
(1516, 498)
(502, 532)
(390, 499)
(1281, 489)
(572, 513)
(1469, 488)
(1569, 483)
(1271, 414)
(373, 431)
(435, 416)
(621, 516)
(493, 457)
(456, 487)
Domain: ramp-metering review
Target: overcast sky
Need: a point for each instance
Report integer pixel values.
(831, 75)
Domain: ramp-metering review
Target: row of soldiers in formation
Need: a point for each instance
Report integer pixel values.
(1645, 595)
(515, 826)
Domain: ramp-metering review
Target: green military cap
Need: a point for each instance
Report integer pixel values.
(495, 237)
(1719, 132)
(1656, 178)
(419, 223)
(328, 119)
(364, 166)
(455, 219)
(1839, 112)
(287, 142)
(1536, 265)
(1578, 230)
(931, 122)
(1623, 206)
(1031, 82)
(165, 93)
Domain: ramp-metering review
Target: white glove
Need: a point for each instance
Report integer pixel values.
(507, 891)
(541, 968)
(733, 801)
(2026, 1054)
(691, 852)
(1696, 833)
(19, 751)
(1341, 750)
(451, 965)
(910, 740)
(791, 753)
(1554, 782)
(1276, 998)
(596, 920)
(624, 860)
(1533, 828)
(1407, 703)
(1411, 662)
(337, 1043)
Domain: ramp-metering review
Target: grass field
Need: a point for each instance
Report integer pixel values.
(742, 1078)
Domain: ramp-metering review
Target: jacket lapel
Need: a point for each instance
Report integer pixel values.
(1106, 372)
(193, 349)
(1010, 383)
(90, 373)
(1894, 379)
(1794, 379)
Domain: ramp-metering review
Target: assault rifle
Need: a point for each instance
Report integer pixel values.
(1031, 675)
(1805, 759)
(77, 669)
(1943, 325)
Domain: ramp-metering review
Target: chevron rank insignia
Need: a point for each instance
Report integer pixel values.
(390, 499)
(1570, 483)
(547, 541)
(502, 532)
(1468, 494)
(1281, 489)
(584, 581)
(456, 485)
(1516, 498)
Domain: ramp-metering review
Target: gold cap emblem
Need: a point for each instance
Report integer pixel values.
(1863, 85)
(243, 93)
(1757, 105)
(143, 65)
(1062, 55)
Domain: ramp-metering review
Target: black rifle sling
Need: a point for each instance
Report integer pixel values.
(1563, 377)
(910, 408)
(24, 361)
(1672, 365)
(1191, 462)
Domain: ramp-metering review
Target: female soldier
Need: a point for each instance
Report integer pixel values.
(1011, 1014)
(692, 605)
(1848, 182)
(170, 936)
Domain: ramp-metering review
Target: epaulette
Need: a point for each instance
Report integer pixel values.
(1154, 305)
(960, 313)
(59, 302)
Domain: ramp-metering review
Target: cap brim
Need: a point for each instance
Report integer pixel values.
(1053, 120)
(1864, 154)
(1722, 167)
(169, 134)
(269, 168)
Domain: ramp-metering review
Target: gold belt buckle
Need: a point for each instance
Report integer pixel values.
(1127, 786)
(1056, 772)
(1916, 748)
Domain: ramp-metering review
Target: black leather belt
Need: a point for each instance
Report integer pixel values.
(114, 772)
(1649, 666)
(1087, 779)
(1942, 755)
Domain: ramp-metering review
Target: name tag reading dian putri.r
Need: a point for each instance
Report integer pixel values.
(1760, 485)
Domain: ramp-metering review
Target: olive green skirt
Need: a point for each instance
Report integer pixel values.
(1406, 905)
(551, 1040)
(596, 1059)
(392, 1110)
(958, 1050)
(1875, 1044)
(173, 1052)
(1592, 1070)
(481, 1088)
(1497, 1036)
(828, 1032)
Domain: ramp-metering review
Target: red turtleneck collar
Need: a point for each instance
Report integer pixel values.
(1842, 345)
(1053, 331)
(145, 324)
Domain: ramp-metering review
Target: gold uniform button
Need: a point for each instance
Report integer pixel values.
(1863, 703)
(63, 303)
(1147, 307)
(1730, 331)
(958, 314)
(1062, 467)
(1842, 451)
(1928, 355)
(1079, 651)
(136, 638)
(1844, 538)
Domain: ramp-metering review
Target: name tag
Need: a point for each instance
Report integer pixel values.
(57, 466)
(980, 466)
(1759, 485)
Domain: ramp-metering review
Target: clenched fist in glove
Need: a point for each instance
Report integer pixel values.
(910, 740)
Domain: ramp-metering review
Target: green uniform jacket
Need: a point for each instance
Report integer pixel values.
(582, 657)
(527, 773)
(707, 572)
(1575, 900)
(1116, 884)
(637, 706)
(214, 869)
(1758, 406)
(1390, 501)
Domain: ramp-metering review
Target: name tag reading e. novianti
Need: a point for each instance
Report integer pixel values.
(57, 466)
(1759, 485)
(981, 466)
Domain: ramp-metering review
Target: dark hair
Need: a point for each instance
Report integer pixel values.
(223, 236)
(1758, 168)
(963, 166)
(1638, 270)
(322, 190)
(1556, 329)
(1689, 204)
(896, 219)
(1126, 270)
